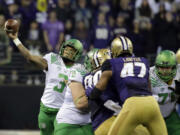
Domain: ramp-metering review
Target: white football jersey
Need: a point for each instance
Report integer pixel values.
(56, 77)
(68, 112)
(166, 96)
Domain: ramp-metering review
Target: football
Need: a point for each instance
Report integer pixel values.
(11, 26)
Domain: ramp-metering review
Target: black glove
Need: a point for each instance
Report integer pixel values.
(177, 87)
(95, 94)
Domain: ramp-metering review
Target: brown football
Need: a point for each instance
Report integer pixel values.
(11, 26)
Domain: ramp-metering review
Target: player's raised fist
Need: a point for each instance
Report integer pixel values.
(11, 26)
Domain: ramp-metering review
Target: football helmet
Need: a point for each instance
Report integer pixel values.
(121, 45)
(88, 61)
(100, 56)
(96, 57)
(71, 49)
(166, 65)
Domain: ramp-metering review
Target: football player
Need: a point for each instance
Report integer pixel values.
(73, 117)
(105, 109)
(165, 83)
(99, 113)
(57, 68)
(131, 79)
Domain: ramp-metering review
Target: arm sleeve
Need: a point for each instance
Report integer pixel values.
(47, 57)
(75, 76)
(106, 66)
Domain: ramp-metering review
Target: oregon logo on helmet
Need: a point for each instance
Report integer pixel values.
(166, 65)
(121, 45)
(71, 49)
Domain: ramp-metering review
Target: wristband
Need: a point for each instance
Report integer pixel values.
(17, 42)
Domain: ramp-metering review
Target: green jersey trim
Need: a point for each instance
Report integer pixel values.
(48, 109)
(53, 58)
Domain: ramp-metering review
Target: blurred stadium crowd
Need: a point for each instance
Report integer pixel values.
(152, 25)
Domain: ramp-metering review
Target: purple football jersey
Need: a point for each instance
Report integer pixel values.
(130, 76)
(99, 113)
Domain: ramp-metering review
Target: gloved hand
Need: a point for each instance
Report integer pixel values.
(93, 93)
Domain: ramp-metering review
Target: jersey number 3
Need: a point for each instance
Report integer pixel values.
(128, 69)
(62, 84)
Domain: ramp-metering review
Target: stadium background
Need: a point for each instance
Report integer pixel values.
(152, 25)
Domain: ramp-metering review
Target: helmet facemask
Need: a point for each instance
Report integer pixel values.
(71, 50)
(101, 56)
(69, 53)
(166, 73)
(166, 65)
(88, 61)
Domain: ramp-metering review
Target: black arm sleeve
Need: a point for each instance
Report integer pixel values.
(106, 66)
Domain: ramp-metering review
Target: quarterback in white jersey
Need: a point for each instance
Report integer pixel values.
(57, 69)
(165, 78)
(56, 78)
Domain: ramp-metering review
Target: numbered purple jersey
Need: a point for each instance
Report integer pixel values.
(130, 76)
(99, 113)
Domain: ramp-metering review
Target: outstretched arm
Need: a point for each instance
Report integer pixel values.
(37, 60)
